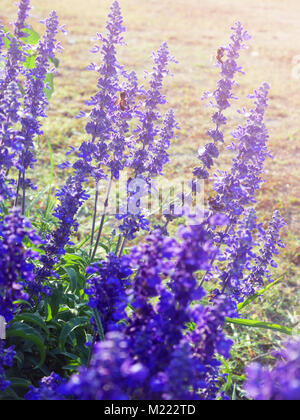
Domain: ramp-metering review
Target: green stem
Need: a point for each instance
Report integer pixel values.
(102, 218)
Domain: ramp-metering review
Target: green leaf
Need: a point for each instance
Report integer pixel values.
(49, 85)
(256, 295)
(29, 63)
(260, 324)
(19, 383)
(22, 302)
(69, 327)
(33, 319)
(56, 299)
(49, 313)
(6, 40)
(32, 37)
(228, 372)
(28, 333)
(72, 277)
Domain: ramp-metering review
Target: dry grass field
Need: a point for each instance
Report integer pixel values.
(194, 29)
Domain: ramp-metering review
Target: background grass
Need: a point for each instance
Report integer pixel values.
(194, 30)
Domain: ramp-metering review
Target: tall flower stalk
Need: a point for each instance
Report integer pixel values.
(35, 100)
(220, 98)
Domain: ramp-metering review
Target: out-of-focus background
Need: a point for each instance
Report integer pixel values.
(194, 30)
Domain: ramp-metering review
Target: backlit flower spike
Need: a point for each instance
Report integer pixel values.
(16, 272)
(220, 98)
(159, 149)
(35, 100)
(150, 118)
(265, 258)
(113, 373)
(280, 383)
(238, 255)
(13, 59)
(23, 14)
(6, 360)
(103, 106)
(236, 188)
(71, 197)
(9, 115)
(106, 290)
(47, 390)
(6, 191)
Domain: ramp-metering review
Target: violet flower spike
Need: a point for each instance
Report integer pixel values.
(221, 98)
(23, 14)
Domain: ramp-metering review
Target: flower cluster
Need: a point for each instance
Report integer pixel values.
(16, 270)
(221, 97)
(22, 97)
(265, 258)
(71, 197)
(20, 25)
(107, 290)
(164, 334)
(235, 196)
(239, 252)
(148, 135)
(236, 189)
(6, 360)
(157, 335)
(111, 148)
(111, 373)
(282, 383)
(47, 390)
(112, 107)
(35, 100)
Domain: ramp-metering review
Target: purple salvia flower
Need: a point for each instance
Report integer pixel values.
(221, 97)
(10, 141)
(2, 35)
(265, 258)
(48, 389)
(23, 13)
(14, 56)
(150, 119)
(282, 383)
(237, 188)
(239, 253)
(110, 116)
(207, 339)
(155, 357)
(16, 272)
(108, 125)
(106, 290)
(35, 101)
(113, 373)
(6, 191)
(71, 197)
(6, 360)
(159, 155)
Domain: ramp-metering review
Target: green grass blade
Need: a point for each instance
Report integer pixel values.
(256, 295)
(262, 325)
